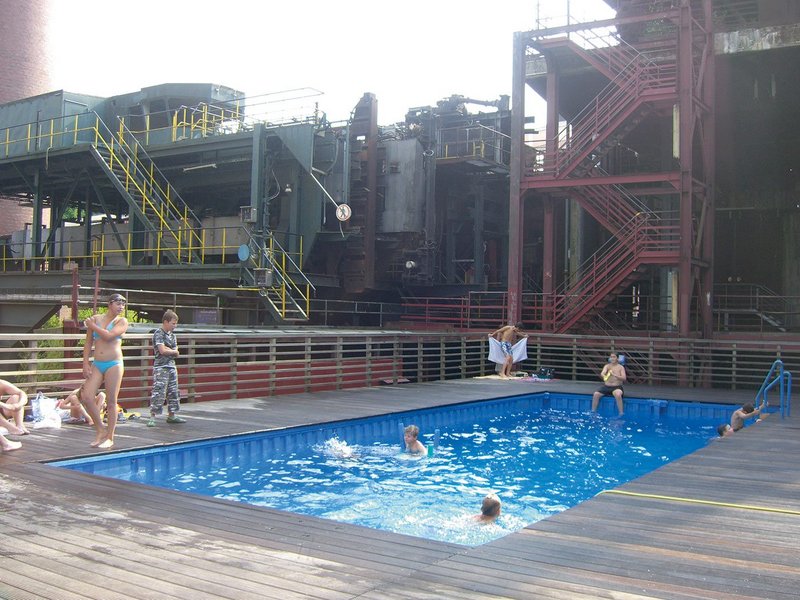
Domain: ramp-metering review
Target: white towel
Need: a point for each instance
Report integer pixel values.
(519, 351)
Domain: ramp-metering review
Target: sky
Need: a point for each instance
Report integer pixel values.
(408, 53)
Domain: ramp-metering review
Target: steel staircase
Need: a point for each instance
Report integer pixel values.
(640, 236)
(607, 119)
(612, 268)
(148, 194)
(271, 270)
(637, 84)
(611, 205)
(743, 301)
(608, 53)
(178, 232)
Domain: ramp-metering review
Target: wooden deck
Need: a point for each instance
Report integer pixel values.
(68, 535)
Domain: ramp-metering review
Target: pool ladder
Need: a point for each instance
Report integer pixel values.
(780, 377)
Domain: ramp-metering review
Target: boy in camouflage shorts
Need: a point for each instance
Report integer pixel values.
(165, 372)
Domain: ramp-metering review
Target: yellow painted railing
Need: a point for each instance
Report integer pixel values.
(204, 120)
(218, 246)
(159, 199)
(177, 230)
(124, 155)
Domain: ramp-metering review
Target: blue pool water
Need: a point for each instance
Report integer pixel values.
(541, 454)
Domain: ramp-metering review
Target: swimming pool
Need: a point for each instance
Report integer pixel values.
(540, 453)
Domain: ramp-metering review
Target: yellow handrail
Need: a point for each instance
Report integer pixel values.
(138, 174)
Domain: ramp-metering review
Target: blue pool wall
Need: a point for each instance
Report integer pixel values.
(141, 465)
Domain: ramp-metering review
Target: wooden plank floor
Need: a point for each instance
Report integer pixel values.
(70, 535)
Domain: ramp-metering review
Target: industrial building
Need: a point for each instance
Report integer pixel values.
(663, 196)
(659, 196)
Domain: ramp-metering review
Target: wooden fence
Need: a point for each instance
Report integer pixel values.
(251, 364)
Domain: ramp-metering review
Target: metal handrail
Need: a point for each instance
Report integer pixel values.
(177, 206)
(264, 255)
(115, 152)
(782, 378)
(20, 254)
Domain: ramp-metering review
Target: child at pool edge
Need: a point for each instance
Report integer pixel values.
(165, 372)
(490, 509)
(724, 430)
(746, 412)
(413, 445)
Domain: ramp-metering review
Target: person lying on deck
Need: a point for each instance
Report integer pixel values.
(77, 413)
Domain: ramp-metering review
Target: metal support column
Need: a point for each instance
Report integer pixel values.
(515, 209)
(36, 226)
(258, 180)
(685, 108)
(371, 207)
(709, 171)
(549, 233)
(480, 237)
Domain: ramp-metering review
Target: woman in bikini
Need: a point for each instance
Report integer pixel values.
(104, 341)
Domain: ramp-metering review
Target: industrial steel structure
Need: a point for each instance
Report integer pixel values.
(262, 201)
(646, 114)
(659, 196)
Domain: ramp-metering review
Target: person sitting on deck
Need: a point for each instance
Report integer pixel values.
(12, 408)
(614, 376)
(7, 445)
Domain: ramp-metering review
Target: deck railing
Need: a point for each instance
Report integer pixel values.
(255, 364)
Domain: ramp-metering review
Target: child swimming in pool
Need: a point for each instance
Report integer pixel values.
(490, 509)
(413, 445)
(336, 448)
(724, 430)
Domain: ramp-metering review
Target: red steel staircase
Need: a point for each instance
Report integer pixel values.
(639, 84)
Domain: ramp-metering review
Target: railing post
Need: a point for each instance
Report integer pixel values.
(307, 364)
(395, 356)
(272, 368)
(463, 357)
(34, 361)
(338, 353)
(733, 367)
(574, 359)
(420, 362)
(191, 366)
(234, 367)
(442, 359)
(368, 361)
